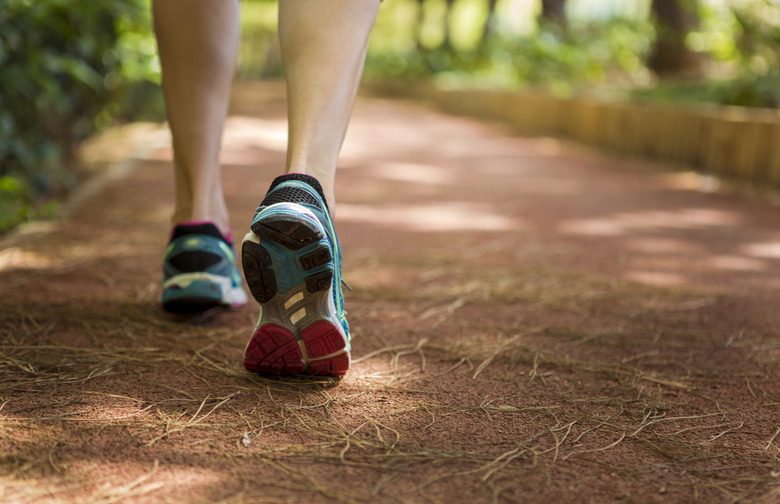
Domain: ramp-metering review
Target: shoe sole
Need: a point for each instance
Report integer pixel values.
(288, 266)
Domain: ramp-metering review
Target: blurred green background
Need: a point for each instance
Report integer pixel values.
(70, 68)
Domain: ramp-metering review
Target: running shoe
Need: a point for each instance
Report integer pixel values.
(292, 265)
(199, 270)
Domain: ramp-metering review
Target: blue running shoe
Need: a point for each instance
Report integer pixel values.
(292, 265)
(199, 270)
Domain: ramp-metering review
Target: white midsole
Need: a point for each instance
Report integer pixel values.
(232, 295)
(187, 279)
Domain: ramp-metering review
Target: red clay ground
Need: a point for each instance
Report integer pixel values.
(533, 322)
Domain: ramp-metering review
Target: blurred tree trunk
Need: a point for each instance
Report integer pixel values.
(489, 21)
(554, 11)
(447, 40)
(447, 17)
(674, 19)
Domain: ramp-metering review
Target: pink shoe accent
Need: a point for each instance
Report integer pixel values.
(273, 349)
(323, 338)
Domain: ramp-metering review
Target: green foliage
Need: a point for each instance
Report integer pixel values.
(68, 68)
(259, 54)
(758, 35)
(15, 201)
(586, 53)
(583, 54)
(408, 42)
(751, 91)
(746, 91)
(757, 51)
(741, 39)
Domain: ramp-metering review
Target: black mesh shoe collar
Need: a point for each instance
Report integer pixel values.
(301, 177)
(205, 228)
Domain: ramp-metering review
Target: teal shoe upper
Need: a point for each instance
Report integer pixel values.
(305, 190)
(199, 270)
(193, 249)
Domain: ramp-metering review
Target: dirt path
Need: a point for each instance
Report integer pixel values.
(533, 322)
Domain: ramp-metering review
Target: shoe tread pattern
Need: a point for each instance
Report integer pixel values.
(276, 349)
(259, 276)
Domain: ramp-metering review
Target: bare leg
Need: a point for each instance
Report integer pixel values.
(323, 46)
(197, 41)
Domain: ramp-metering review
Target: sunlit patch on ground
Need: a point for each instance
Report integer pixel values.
(447, 217)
